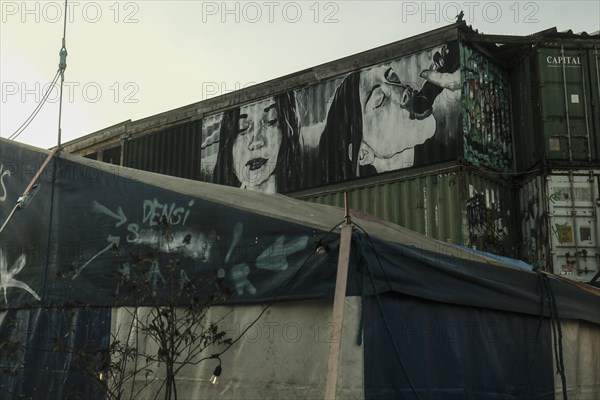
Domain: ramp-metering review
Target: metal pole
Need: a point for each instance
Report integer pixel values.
(30, 186)
(338, 306)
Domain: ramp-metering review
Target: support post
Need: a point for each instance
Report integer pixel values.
(338, 306)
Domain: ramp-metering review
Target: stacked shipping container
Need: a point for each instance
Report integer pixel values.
(445, 133)
(559, 118)
(452, 201)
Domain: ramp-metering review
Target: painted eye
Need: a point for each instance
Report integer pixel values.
(378, 98)
(391, 76)
(271, 117)
(243, 126)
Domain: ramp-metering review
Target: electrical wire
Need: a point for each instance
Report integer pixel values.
(385, 275)
(37, 109)
(274, 299)
(60, 72)
(381, 310)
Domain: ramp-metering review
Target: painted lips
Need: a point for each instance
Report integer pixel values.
(256, 163)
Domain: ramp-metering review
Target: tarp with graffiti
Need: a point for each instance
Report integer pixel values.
(71, 251)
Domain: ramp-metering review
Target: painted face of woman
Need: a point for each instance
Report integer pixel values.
(386, 102)
(256, 146)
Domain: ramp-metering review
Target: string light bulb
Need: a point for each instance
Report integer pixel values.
(321, 248)
(214, 379)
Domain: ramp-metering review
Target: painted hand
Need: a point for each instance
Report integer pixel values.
(446, 80)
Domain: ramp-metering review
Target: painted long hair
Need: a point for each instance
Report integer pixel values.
(344, 125)
(287, 176)
(342, 128)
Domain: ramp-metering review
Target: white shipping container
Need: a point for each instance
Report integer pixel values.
(559, 222)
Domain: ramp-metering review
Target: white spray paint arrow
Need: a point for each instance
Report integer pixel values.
(112, 240)
(119, 215)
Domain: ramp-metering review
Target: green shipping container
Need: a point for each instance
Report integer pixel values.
(569, 103)
(454, 205)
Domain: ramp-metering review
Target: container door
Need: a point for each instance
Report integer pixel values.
(573, 218)
(566, 104)
(534, 227)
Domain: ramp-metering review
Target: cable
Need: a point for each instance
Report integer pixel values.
(273, 300)
(385, 275)
(37, 109)
(62, 65)
(385, 321)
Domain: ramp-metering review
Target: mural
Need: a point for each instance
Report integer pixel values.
(486, 114)
(382, 118)
(258, 145)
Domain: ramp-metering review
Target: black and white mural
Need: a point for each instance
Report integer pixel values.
(383, 118)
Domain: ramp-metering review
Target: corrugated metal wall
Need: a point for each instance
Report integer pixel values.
(557, 107)
(560, 227)
(566, 104)
(455, 206)
(174, 151)
(555, 96)
(428, 204)
(528, 146)
(112, 155)
(486, 117)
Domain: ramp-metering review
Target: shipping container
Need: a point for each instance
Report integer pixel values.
(351, 126)
(486, 114)
(403, 128)
(454, 204)
(559, 222)
(173, 151)
(419, 102)
(557, 107)
(528, 149)
(566, 104)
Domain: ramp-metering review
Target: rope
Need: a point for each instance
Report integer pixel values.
(548, 293)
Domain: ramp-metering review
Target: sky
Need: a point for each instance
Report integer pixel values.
(133, 59)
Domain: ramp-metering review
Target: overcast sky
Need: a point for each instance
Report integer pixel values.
(133, 59)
